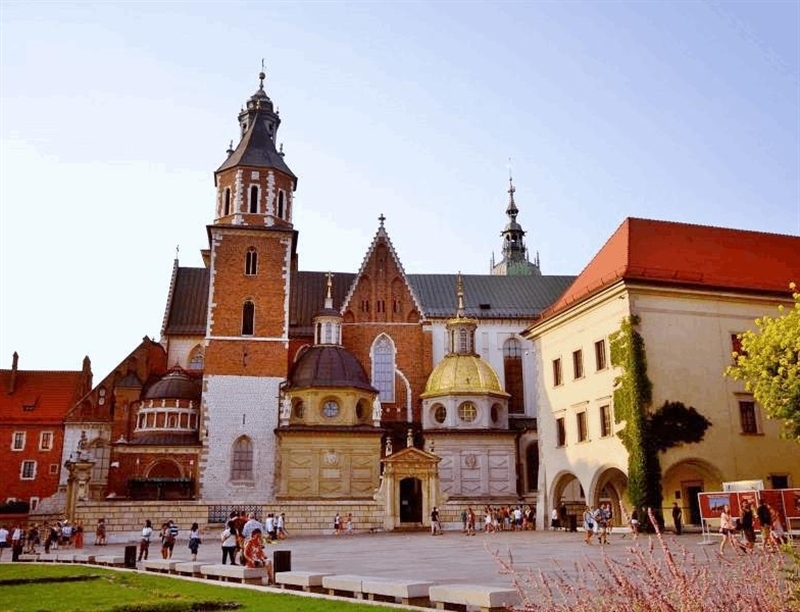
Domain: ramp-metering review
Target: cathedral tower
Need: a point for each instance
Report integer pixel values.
(250, 256)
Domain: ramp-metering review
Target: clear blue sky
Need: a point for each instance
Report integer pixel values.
(113, 117)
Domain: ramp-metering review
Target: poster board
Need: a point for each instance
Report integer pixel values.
(785, 501)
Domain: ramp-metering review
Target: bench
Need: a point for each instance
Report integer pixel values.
(310, 582)
(48, 557)
(234, 573)
(82, 558)
(65, 558)
(189, 568)
(162, 566)
(464, 596)
(29, 557)
(110, 560)
(407, 592)
(344, 585)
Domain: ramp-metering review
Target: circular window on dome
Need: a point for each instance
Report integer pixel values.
(467, 412)
(439, 413)
(495, 413)
(330, 409)
(299, 411)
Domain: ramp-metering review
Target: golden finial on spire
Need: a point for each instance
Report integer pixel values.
(329, 275)
(460, 294)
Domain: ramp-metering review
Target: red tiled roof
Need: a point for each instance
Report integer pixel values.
(51, 394)
(681, 254)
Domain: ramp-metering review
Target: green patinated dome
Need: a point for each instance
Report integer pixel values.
(462, 374)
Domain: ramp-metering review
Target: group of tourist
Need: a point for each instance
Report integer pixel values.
(773, 533)
(51, 536)
(245, 538)
(597, 522)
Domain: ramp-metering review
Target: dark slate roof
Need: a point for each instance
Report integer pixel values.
(485, 297)
(176, 384)
(488, 296)
(328, 366)
(257, 149)
(187, 316)
(308, 297)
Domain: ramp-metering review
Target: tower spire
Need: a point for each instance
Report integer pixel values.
(515, 253)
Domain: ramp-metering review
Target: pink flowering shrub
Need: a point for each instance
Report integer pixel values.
(664, 577)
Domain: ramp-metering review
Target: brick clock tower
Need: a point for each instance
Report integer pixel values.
(250, 257)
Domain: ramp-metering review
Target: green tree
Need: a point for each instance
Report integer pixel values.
(769, 365)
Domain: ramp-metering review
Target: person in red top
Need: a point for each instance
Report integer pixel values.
(254, 554)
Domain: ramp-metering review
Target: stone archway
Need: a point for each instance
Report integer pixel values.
(568, 496)
(611, 487)
(682, 481)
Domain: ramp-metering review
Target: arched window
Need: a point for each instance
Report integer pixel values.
(280, 203)
(512, 370)
(196, 359)
(383, 367)
(254, 198)
(101, 454)
(242, 459)
(248, 316)
(251, 262)
(226, 209)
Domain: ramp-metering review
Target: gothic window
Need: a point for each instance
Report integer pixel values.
(512, 370)
(251, 262)
(248, 316)
(281, 203)
(242, 459)
(383, 357)
(226, 210)
(196, 358)
(254, 198)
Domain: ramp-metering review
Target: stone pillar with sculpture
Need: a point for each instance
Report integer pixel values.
(79, 467)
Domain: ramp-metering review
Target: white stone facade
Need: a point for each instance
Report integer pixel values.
(235, 406)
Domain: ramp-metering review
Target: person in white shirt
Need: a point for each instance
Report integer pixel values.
(3, 539)
(269, 527)
(144, 544)
(251, 524)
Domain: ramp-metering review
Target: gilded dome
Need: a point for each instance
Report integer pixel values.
(326, 365)
(175, 384)
(462, 374)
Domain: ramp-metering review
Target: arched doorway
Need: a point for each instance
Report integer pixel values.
(610, 488)
(410, 500)
(567, 495)
(683, 481)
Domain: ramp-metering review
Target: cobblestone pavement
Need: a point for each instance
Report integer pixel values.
(452, 557)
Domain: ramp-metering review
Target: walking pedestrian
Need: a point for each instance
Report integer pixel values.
(677, 513)
(194, 540)
(144, 543)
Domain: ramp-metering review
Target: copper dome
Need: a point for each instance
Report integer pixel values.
(328, 366)
(175, 384)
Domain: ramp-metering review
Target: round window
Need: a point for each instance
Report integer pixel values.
(439, 413)
(467, 412)
(330, 409)
(299, 411)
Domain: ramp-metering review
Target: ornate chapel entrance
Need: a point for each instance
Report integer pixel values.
(409, 487)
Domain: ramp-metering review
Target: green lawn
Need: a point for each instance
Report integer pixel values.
(24, 587)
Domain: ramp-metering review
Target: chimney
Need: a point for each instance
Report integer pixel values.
(13, 379)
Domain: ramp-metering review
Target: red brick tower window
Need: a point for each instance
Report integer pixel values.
(251, 262)
(248, 318)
